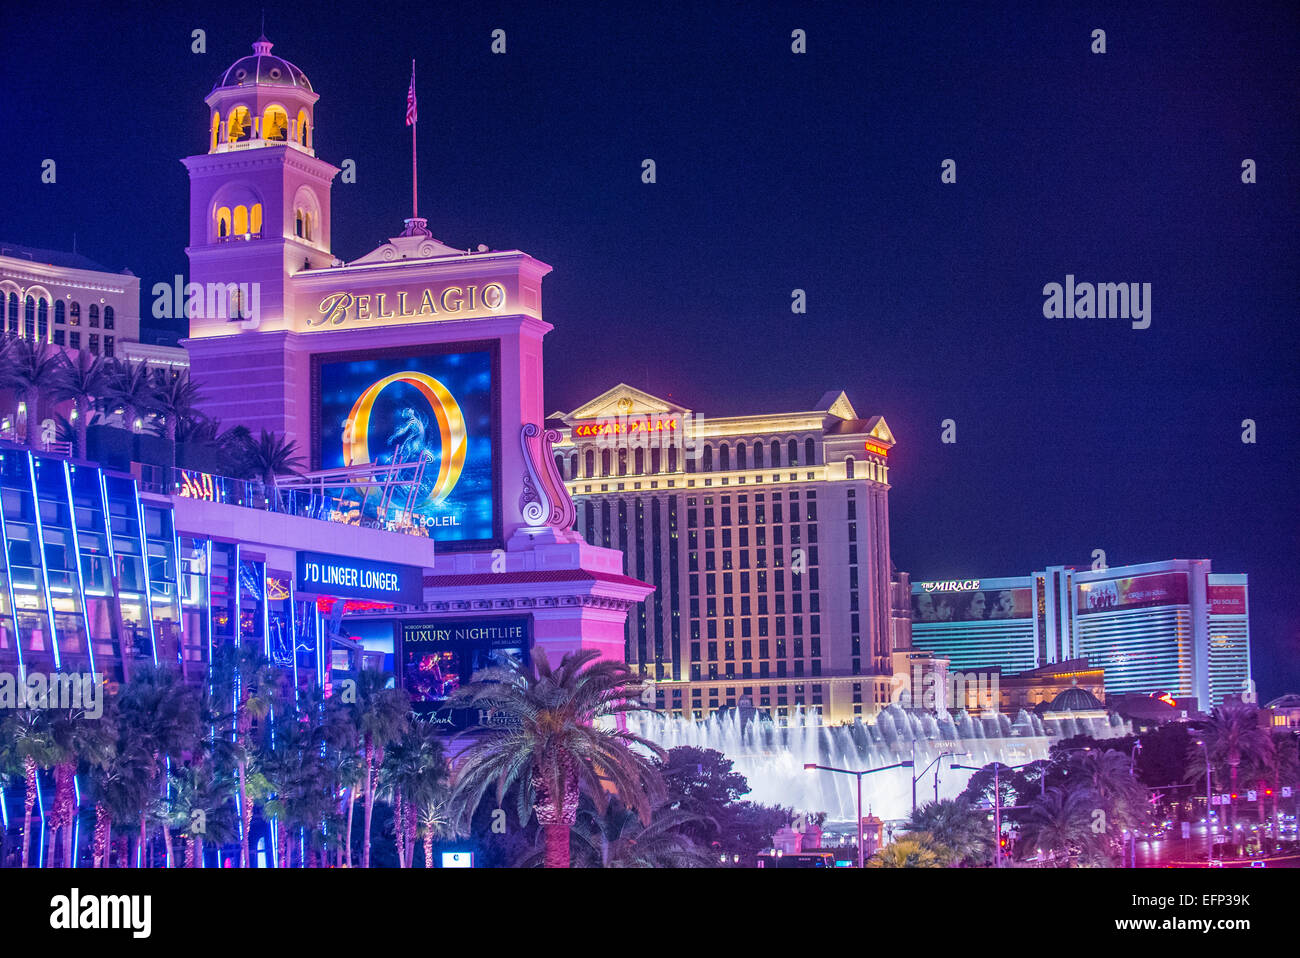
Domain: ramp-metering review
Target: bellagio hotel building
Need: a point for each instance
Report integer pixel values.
(767, 540)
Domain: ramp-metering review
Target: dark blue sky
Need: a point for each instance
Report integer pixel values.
(821, 172)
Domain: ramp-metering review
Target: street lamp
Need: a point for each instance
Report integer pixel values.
(935, 765)
(1209, 835)
(811, 766)
(997, 803)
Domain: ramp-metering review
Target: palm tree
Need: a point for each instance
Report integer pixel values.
(1235, 738)
(958, 826)
(619, 839)
(32, 370)
(131, 391)
(176, 399)
(272, 455)
(84, 381)
(1107, 777)
(554, 742)
(159, 714)
(28, 745)
(415, 775)
(917, 850)
(245, 680)
(381, 715)
(78, 740)
(1061, 821)
(120, 784)
(200, 810)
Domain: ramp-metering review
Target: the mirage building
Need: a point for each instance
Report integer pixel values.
(1160, 627)
(767, 540)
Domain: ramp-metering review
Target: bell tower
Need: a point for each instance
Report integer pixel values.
(259, 196)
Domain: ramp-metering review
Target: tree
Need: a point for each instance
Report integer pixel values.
(1061, 823)
(1234, 738)
(381, 715)
(553, 740)
(916, 850)
(958, 826)
(84, 381)
(415, 775)
(131, 392)
(244, 678)
(272, 455)
(79, 740)
(28, 747)
(176, 398)
(32, 370)
(619, 839)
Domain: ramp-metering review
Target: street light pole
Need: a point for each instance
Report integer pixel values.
(810, 766)
(997, 804)
(1209, 836)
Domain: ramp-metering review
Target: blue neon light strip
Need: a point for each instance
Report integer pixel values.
(148, 579)
(81, 585)
(45, 577)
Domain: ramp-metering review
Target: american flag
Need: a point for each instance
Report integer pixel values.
(410, 99)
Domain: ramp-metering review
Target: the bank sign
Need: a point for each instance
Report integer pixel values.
(348, 577)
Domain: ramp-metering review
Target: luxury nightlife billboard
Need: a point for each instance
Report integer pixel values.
(1161, 588)
(972, 605)
(436, 657)
(434, 412)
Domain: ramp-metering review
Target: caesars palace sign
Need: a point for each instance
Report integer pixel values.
(337, 308)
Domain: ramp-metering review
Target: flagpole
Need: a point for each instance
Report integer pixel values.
(415, 194)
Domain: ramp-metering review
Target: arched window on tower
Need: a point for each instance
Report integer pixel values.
(29, 324)
(216, 131)
(776, 454)
(304, 136)
(724, 456)
(255, 219)
(239, 220)
(42, 320)
(240, 125)
(275, 124)
(758, 455)
(793, 450)
(848, 468)
(809, 452)
(223, 223)
(742, 461)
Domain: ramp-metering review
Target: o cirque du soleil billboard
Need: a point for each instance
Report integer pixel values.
(430, 412)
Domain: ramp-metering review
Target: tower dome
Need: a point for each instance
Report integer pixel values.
(262, 100)
(263, 68)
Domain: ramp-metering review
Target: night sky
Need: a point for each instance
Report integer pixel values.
(820, 172)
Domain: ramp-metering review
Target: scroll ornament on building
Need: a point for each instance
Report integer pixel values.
(544, 500)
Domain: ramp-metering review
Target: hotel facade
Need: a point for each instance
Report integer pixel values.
(1173, 626)
(766, 538)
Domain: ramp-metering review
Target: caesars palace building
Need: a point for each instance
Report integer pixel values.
(766, 538)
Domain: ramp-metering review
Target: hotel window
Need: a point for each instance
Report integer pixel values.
(672, 459)
(758, 455)
(29, 321)
(14, 312)
(605, 462)
(809, 452)
(740, 456)
(94, 316)
(708, 458)
(43, 320)
(848, 468)
(109, 321)
(640, 462)
(74, 314)
(725, 457)
(94, 343)
(622, 462)
(776, 452)
(108, 346)
(74, 339)
(58, 337)
(792, 451)
(59, 310)
(591, 463)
